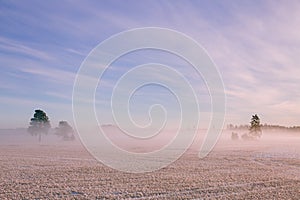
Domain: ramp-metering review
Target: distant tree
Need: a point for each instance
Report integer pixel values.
(234, 136)
(255, 127)
(39, 124)
(65, 131)
(230, 127)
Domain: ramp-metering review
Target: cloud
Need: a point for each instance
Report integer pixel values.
(256, 47)
(257, 56)
(59, 95)
(8, 45)
(53, 75)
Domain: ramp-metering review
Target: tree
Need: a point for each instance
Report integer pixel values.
(255, 127)
(234, 136)
(65, 131)
(39, 124)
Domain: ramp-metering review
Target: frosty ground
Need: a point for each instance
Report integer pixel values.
(265, 169)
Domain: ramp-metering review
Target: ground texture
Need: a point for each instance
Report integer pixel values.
(229, 172)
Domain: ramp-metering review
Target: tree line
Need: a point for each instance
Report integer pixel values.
(266, 127)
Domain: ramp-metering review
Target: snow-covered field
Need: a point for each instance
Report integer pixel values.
(265, 169)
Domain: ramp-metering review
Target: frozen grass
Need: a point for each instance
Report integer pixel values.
(267, 169)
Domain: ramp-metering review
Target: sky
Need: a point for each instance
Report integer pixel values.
(254, 44)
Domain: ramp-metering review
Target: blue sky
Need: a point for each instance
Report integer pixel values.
(255, 44)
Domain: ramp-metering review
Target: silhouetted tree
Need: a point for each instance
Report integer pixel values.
(39, 124)
(65, 131)
(255, 126)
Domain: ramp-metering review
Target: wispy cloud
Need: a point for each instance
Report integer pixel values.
(13, 47)
(255, 45)
(53, 75)
(59, 95)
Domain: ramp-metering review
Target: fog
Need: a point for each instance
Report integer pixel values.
(21, 136)
(270, 140)
(267, 168)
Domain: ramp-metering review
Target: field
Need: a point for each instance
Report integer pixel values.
(266, 169)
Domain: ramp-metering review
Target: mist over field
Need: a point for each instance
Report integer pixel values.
(149, 99)
(268, 168)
